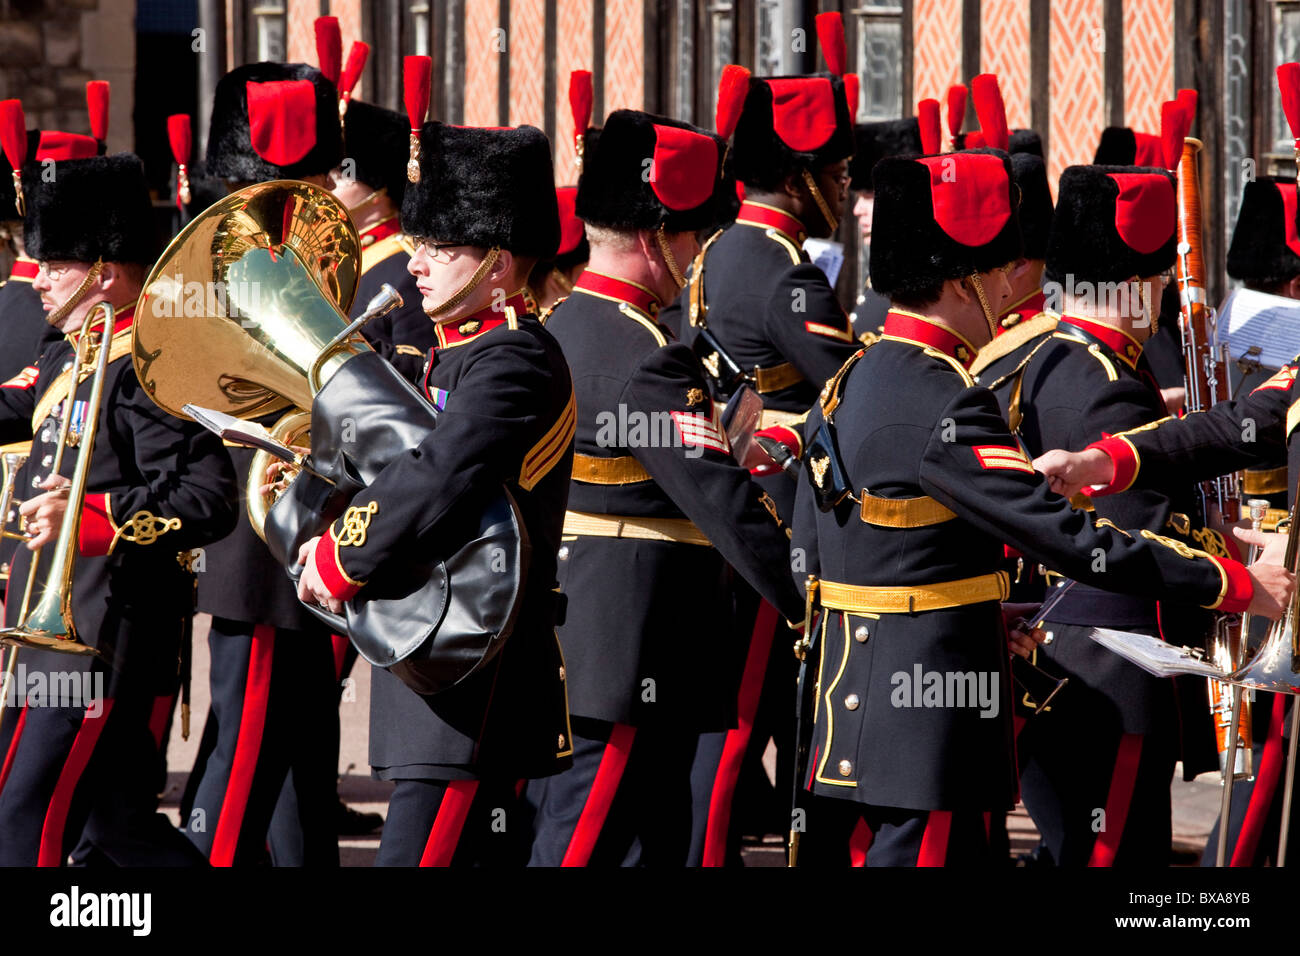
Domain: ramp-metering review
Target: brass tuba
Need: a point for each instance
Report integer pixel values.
(238, 310)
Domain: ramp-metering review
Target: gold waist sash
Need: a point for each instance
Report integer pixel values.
(861, 599)
(647, 529)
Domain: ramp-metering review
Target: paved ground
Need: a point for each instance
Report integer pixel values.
(1196, 804)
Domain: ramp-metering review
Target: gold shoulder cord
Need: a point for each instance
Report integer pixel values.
(470, 285)
(698, 308)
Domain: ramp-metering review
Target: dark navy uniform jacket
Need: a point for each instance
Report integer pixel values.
(1078, 381)
(911, 424)
(650, 446)
(158, 487)
(507, 419)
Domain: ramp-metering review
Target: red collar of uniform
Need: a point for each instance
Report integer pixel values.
(380, 230)
(24, 270)
(466, 328)
(1119, 342)
(769, 217)
(902, 326)
(617, 290)
(122, 319)
(1026, 308)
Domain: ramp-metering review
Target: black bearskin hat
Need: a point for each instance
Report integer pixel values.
(1030, 173)
(1121, 146)
(485, 187)
(790, 123)
(681, 190)
(277, 140)
(97, 208)
(376, 140)
(1265, 248)
(1112, 223)
(1019, 141)
(941, 217)
(875, 141)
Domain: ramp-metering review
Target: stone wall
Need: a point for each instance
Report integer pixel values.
(50, 48)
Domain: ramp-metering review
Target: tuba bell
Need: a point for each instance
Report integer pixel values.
(245, 314)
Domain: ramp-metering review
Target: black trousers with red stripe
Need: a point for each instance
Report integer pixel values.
(457, 823)
(275, 707)
(626, 801)
(731, 791)
(87, 777)
(845, 833)
(1254, 825)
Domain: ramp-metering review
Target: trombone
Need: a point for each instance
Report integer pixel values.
(49, 625)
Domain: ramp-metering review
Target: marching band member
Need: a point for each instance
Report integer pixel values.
(658, 507)
(158, 487)
(484, 212)
(922, 483)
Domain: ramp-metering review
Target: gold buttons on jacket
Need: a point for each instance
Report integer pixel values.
(560, 745)
(563, 553)
(846, 768)
(861, 634)
(561, 673)
(852, 702)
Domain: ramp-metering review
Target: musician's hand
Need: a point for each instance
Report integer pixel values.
(311, 589)
(1272, 545)
(1273, 586)
(1174, 399)
(1021, 637)
(44, 513)
(1069, 472)
(278, 474)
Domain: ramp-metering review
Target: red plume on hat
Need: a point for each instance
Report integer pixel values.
(581, 98)
(991, 110)
(851, 86)
(13, 140)
(180, 138)
(1288, 82)
(329, 47)
(733, 87)
(927, 118)
(357, 54)
(830, 34)
(417, 79)
(1174, 124)
(97, 107)
(956, 110)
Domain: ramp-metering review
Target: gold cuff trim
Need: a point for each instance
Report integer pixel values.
(143, 527)
(776, 378)
(860, 599)
(1264, 481)
(903, 512)
(680, 530)
(355, 522)
(608, 471)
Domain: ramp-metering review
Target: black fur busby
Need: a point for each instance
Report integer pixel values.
(1265, 248)
(376, 140)
(788, 124)
(485, 187)
(941, 217)
(1121, 146)
(1112, 223)
(1030, 173)
(682, 191)
(1025, 141)
(90, 209)
(232, 154)
(8, 198)
(875, 141)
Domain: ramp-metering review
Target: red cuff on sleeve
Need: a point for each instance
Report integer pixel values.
(331, 570)
(95, 536)
(1124, 460)
(1238, 588)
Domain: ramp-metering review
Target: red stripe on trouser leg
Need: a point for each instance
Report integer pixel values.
(934, 842)
(162, 708)
(596, 808)
(737, 740)
(448, 823)
(248, 746)
(13, 747)
(988, 824)
(56, 816)
(1122, 780)
(340, 654)
(1261, 797)
(860, 842)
